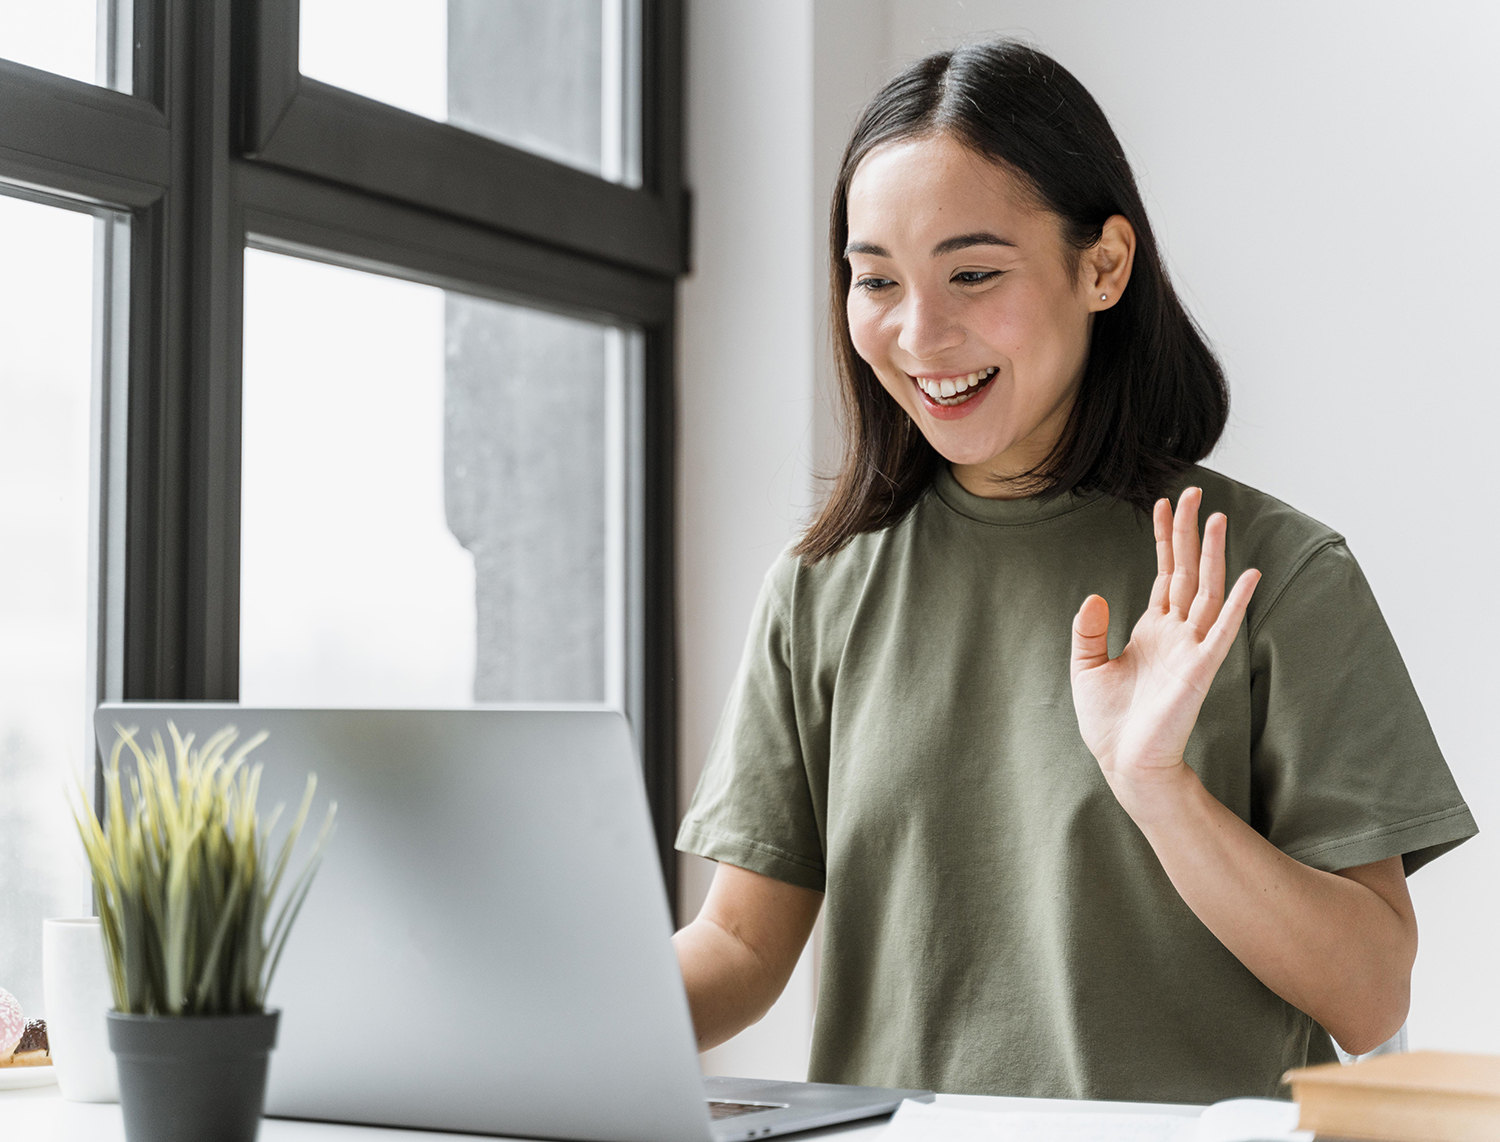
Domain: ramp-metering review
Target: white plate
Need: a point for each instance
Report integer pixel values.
(14, 1078)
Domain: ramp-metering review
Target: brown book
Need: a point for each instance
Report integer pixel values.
(1421, 1096)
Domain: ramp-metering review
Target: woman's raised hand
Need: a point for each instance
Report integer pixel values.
(1136, 711)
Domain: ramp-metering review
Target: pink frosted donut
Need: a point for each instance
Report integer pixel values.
(12, 1023)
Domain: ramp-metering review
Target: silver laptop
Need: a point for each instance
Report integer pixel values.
(486, 947)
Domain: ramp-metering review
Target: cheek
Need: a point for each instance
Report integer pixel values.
(872, 340)
(864, 330)
(1009, 323)
(1032, 329)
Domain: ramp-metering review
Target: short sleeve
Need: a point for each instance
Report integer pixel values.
(1345, 767)
(754, 805)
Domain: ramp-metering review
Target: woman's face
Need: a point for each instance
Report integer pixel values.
(964, 302)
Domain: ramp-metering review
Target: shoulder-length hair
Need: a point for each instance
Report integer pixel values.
(1152, 399)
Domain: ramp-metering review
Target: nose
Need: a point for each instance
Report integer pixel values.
(929, 326)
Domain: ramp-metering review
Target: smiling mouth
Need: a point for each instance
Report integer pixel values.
(952, 391)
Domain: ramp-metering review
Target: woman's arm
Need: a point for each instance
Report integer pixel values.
(1339, 946)
(738, 954)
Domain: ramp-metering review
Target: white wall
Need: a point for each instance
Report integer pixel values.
(850, 51)
(745, 393)
(1322, 176)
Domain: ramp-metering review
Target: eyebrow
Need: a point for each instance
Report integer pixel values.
(946, 246)
(964, 241)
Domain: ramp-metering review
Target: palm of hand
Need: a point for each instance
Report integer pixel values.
(1135, 712)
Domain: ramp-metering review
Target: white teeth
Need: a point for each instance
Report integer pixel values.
(952, 390)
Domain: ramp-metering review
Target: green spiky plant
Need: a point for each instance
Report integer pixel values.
(184, 879)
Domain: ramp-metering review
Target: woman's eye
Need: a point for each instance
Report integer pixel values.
(873, 285)
(975, 277)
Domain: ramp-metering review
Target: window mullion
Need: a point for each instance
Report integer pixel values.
(182, 546)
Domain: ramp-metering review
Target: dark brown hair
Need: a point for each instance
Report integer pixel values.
(1152, 399)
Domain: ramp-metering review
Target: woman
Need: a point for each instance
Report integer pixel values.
(1129, 862)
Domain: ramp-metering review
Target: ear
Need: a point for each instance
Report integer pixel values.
(1105, 266)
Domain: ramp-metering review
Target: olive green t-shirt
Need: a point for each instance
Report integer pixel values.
(901, 736)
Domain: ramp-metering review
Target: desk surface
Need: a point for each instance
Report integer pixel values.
(42, 1114)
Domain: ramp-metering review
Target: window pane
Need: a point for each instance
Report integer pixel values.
(46, 382)
(70, 37)
(557, 77)
(434, 506)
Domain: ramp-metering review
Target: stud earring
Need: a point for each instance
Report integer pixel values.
(1104, 297)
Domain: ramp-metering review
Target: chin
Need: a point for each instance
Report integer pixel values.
(967, 457)
(963, 448)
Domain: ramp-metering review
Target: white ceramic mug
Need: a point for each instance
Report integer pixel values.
(75, 988)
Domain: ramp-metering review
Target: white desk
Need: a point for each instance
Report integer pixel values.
(41, 1115)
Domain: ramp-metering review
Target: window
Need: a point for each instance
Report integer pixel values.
(436, 503)
(65, 37)
(259, 307)
(46, 409)
(296, 121)
(560, 79)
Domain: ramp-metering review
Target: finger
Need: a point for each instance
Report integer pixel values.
(1090, 635)
(1161, 524)
(1185, 551)
(1227, 625)
(1210, 596)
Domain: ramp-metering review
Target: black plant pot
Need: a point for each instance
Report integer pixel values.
(192, 1078)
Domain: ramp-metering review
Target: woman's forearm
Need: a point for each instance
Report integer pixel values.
(737, 956)
(728, 988)
(1337, 946)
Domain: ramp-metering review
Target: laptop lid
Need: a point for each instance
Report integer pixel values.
(486, 947)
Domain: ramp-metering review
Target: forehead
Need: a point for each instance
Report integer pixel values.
(932, 188)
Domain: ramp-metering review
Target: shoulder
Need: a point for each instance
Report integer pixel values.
(1267, 534)
(824, 594)
(1257, 520)
(794, 584)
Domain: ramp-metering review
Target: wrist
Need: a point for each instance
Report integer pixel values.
(1157, 797)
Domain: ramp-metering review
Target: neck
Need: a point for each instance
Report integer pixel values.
(1008, 475)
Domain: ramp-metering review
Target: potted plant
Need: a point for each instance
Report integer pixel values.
(184, 882)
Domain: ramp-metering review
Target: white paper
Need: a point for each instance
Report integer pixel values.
(1237, 1120)
(926, 1122)
(1251, 1120)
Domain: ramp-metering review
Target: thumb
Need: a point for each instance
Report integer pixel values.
(1090, 635)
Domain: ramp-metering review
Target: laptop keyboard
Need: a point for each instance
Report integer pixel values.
(718, 1110)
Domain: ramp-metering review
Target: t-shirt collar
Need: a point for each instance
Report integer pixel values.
(1006, 513)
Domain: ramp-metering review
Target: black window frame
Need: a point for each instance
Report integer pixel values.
(216, 150)
(305, 125)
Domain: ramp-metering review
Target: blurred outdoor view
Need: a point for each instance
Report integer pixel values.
(432, 495)
(57, 36)
(46, 318)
